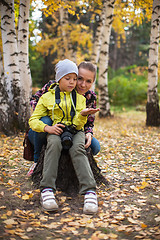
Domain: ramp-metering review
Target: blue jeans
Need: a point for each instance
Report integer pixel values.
(40, 138)
(95, 146)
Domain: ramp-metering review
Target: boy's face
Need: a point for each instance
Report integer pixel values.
(84, 81)
(68, 82)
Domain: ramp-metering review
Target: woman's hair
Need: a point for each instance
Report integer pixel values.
(88, 66)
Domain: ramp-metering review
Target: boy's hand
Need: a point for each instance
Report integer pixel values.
(88, 111)
(55, 129)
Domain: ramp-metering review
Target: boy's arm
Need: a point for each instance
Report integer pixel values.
(35, 98)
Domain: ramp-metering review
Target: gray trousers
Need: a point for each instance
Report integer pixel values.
(79, 160)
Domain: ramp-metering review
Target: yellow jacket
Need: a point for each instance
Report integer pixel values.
(46, 106)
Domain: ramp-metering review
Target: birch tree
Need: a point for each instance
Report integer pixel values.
(63, 15)
(152, 107)
(11, 85)
(14, 106)
(23, 56)
(98, 36)
(103, 61)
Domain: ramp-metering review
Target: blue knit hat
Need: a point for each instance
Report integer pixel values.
(65, 67)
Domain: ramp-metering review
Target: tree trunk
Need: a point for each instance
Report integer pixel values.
(98, 37)
(16, 83)
(11, 85)
(103, 61)
(65, 36)
(67, 180)
(114, 65)
(63, 49)
(98, 41)
(152, 108)
(3, 98)
(25, 75)
(67, 48)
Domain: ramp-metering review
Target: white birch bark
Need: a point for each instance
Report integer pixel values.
(98, 38)
(23, 31)
(10, 51)
(3, 97)
(16, 84)
(25, 75)
(1, 66)
(11, 65)
(65, 38)
(103, 61)
(153, 115)
(62, 50)
(66, 50)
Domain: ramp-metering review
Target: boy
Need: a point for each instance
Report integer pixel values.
(60, 105)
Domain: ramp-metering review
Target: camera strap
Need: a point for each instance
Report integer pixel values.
(58, 100)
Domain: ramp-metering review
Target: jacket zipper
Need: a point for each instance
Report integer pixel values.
(66, 105)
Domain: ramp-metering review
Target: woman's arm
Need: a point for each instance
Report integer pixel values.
(91, 99)
(35, 98)
(40, 111)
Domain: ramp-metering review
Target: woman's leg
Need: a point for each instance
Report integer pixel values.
(95, 146)
(38, 139)
(81, 163)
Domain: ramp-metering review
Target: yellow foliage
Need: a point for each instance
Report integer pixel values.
(129, 13)
(76, 35)
(51, 6)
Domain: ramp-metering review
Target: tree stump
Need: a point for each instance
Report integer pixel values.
(67, 180)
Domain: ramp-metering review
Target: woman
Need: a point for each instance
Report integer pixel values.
(86, 78)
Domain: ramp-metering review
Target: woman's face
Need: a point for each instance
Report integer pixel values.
(85, 80)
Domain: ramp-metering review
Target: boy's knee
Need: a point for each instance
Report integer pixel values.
(78, 147)
(55, 141)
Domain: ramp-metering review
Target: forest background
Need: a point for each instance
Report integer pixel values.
(128, 49)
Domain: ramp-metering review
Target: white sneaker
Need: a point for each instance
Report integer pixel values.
(48, 201)
(90, 203)
(31, 169)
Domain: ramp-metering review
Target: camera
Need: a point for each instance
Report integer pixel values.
(67, 136)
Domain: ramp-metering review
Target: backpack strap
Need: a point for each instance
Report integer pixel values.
(58, 100)
(73, 100)
(73, 107)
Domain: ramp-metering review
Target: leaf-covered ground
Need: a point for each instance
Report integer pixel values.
(129, 208)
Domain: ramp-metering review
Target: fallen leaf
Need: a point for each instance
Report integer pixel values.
(158, 206)
(157, 219)
(144, 184)
(131, 220)
(143, 225)
(10, 182)
(10, 221)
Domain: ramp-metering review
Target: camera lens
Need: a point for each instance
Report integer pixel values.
(66, 139)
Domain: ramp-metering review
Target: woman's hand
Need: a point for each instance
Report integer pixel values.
(88, 140)
(55, 129)
(88, 111)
